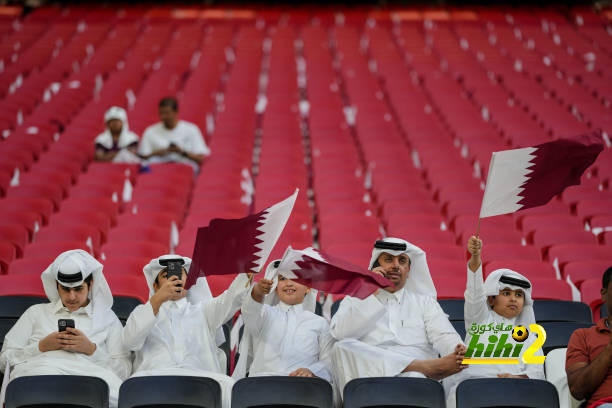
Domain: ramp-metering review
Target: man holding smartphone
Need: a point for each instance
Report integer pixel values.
(77, 333)
(176, 331)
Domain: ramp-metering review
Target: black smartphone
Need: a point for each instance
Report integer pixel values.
(63, 323)
(174, 267)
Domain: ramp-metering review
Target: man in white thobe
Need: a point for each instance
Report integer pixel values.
(173, 334)
(77, 290)
(397, 331)
(173, 140)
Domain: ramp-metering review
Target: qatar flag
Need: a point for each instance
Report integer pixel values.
(235, 246)
(329, 274)
(529, 177)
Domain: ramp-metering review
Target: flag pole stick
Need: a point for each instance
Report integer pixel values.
(478, 229)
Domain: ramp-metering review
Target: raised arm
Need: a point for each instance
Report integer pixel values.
(356, 318)
(223, 307)
(584, 377)
(474, 309)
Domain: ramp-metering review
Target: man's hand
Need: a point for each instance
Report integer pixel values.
(302, 372)
(381, 271)
(174, 149)
(76, 340)
(439, 368)
(51, 342)
(474, 247)
(172, 289)
(261, 289)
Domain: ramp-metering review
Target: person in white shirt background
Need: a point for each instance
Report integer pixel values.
(117, 143)
(77, 290)
(288, 337)
(504, 299)
(399, 330)
(175, 332)
(173, 140)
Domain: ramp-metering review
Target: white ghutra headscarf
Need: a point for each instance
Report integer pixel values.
(419, 279)
(507, 278)
(70, 269)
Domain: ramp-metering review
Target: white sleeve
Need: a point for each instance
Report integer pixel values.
(139, 324)
(197, 142)
(223, 307)
(114, 355)
(440, 331)
(254, 314)
(145, 147)
(355, 317)
(18, 346)
(322, 368)
(474, 309)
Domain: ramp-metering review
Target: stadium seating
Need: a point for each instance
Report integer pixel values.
(390, 391)
(172, 391)
(64, 390)
(506, 392)
(559, 333)
(282, 391)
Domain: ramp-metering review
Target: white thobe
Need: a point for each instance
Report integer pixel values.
(110, 361)
(185, 135)
(476, 310)
(180, 340)
(286, 338)
(382, 334)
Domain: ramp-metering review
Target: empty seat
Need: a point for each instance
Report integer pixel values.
(453, 308)
(128, 286)
(170, 391)
(13, 306)
(40, 206)
(8, 252)
(506, 392)
(84, 233)
(125, 266)
(16, 234)
(148, 250)
(530, 269)
(579, 271)
(142, 233)
(50, 250)
(64, 390)
(559, 333)
(500, 252)
(393, 391)
(282, 392)
(561, 311)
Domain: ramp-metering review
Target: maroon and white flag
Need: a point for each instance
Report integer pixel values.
(238, 245)
(329, 274)
(529, 177)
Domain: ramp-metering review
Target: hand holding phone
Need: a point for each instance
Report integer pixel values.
(63, 323)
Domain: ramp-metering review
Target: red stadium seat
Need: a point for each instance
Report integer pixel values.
(148, 250)
(500, 252)
(86, 234)
(530, 269)
(532, 223)
(127, 266)
(446, 267)
(8, 252)
(590, 292)
(579, 271)
(550, 289)
(544, 238)
(579, 252)
(30, 266)
(31, 220)
(99, 220)
(24, 285)
(48, 191)
(50, 250)
(40, 206)
(16, 234)
(141, 233)
(436, 250)
(108, 207)
(450, 287)
(605, 237)
(128, 286)
(586, 209)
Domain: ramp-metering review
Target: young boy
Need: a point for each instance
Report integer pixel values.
(504, 299)
(287, 337)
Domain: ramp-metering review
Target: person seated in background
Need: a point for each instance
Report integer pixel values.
(80, 302)
(117, 143)
(397, 331)
(589, 356)
(288, 337)
(503, 299)
(173, 140)
(172, 334)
